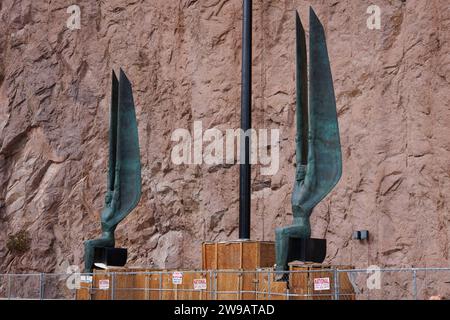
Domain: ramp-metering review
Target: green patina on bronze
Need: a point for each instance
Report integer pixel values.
(124, 172)
(318, 148)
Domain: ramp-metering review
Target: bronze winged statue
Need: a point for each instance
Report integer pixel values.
(318, 148)
(124, 171)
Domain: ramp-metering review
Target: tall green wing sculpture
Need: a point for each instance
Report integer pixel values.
(318, 148)
(124, 172)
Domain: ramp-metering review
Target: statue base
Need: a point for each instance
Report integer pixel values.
(307, 250)
(105, 257)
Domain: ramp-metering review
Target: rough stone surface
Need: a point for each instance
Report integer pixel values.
(183, 58)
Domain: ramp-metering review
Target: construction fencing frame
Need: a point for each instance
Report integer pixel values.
(352, 284)
(35, 286)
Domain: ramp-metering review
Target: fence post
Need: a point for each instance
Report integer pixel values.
(215, 285)
(113, 286)
(269, 296)
(336, 284)
(41, 286)
(415, 284)
(160, 285)
(209, 296)
(9, 287)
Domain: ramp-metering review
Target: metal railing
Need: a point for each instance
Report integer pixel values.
(328, 284)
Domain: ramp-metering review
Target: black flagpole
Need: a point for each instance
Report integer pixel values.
(246, 122)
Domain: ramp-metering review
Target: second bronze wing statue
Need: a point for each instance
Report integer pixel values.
(124, 171)
(318, 148)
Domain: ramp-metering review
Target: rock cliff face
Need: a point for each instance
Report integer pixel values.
(183, 58)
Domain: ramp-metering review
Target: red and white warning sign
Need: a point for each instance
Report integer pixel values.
(103, 284)
(177, 277)
(321, 284)
(199, 284)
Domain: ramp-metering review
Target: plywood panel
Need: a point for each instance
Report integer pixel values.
(154, 283)
(299, 283)
(267, 255)
(124, 286)
(249, 282)
(209, 256)
(228, 286)
(228, 256)
(98, 294)
(185, 291)
(236, 255)
(142, 286)
(319, 274)
(129, 283)
(303, 283)
(269, 289)
(84, 293)
(346, 290)
(249, 255)
(168, 288)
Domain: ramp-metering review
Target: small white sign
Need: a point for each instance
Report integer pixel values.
(199, 284)
(321, 284)
(86, 279)
(103, 284)
(177, 278)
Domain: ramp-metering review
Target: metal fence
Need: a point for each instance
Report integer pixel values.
(335, 284)
(36, 286)
(407, 283)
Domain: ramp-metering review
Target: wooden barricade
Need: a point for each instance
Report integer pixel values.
(122, 284)
(238, 255)
(235, 270)
(145, 284)
(316, 282)
(232, 259)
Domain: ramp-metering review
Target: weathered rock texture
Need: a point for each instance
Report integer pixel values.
(183, 57)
